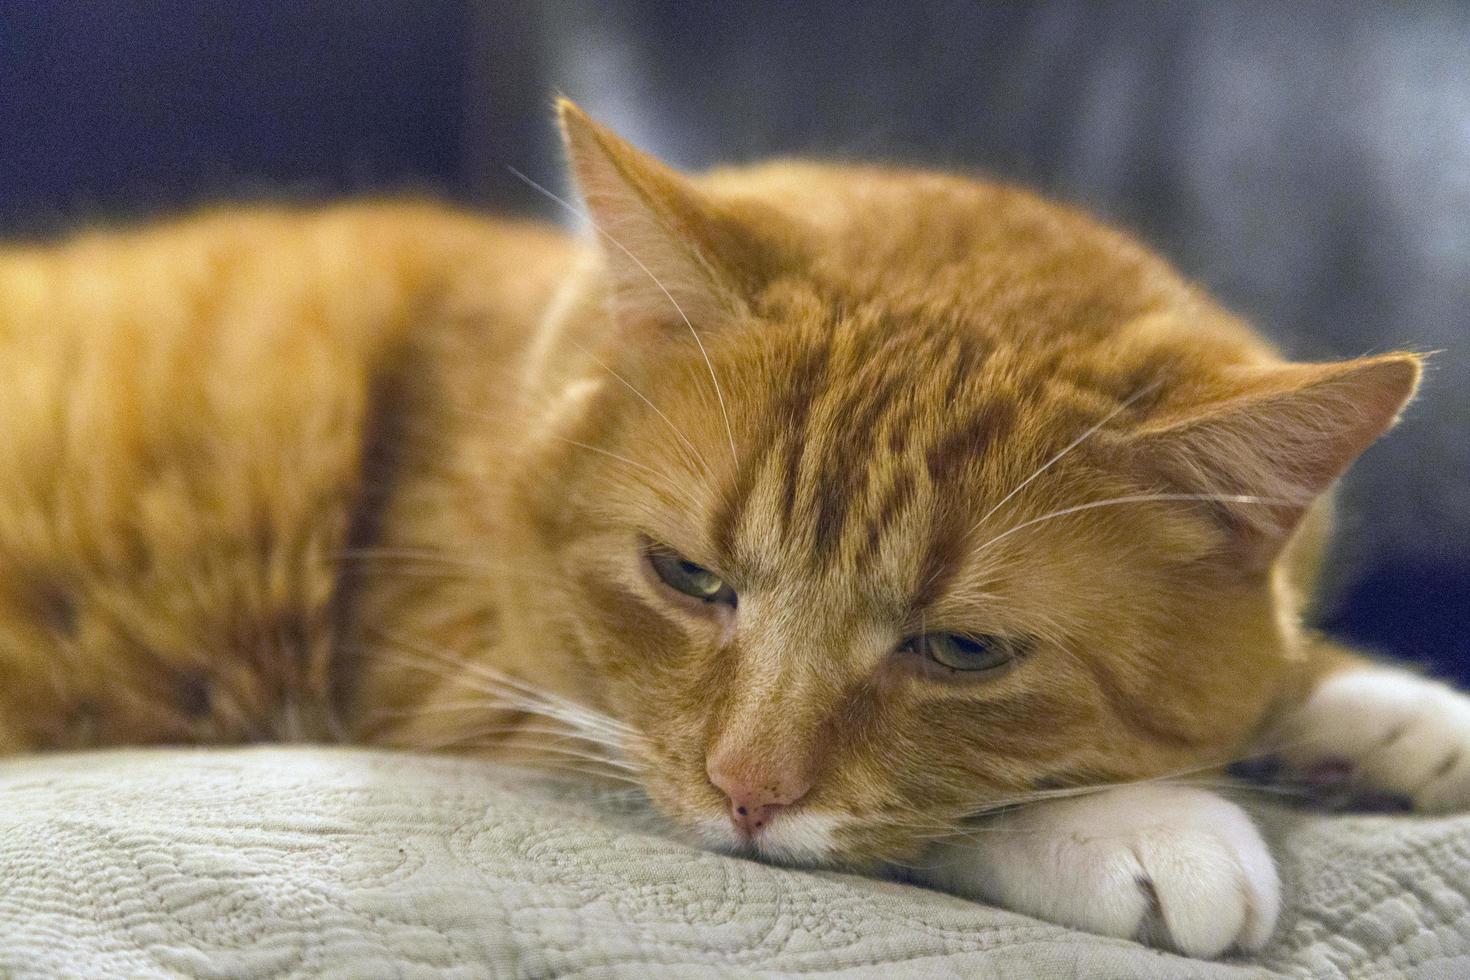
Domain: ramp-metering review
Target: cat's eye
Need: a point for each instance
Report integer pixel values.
(964, 654)
(682, 575)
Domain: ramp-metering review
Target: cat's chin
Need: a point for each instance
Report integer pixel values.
(801, 838)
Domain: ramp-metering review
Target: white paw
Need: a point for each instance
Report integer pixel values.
(1166, 865)
(1384, 731)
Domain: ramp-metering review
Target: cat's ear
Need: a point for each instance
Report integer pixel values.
(1270, 449)
(672, 254)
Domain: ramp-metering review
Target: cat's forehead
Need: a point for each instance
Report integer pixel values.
(875, 441)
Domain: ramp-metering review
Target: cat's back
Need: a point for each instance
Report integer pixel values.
(238, 276)
(186, 410)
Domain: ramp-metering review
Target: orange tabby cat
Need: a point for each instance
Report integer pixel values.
(833, 506)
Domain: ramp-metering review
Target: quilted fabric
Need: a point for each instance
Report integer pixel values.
(297, 862)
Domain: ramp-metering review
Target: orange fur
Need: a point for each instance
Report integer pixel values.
(281, 473)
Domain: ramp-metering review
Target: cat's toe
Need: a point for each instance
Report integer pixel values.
(1209, 891)
(1167, 865)
(1386, 732)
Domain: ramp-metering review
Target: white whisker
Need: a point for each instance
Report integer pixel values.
(553, 749)
(1137, 498)
(1093, 429)
(520, 696)
(497, 699)
(635, 786)
(612, 455)
(644, 398)
(719, 395)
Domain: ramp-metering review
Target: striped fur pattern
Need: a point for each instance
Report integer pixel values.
(391, 473)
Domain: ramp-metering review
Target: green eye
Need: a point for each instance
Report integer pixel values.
(971, 654)
(691, 579)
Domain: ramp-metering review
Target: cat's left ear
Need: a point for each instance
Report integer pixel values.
(672, 253)
(1263, 452)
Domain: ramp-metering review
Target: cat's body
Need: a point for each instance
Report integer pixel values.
(833, 505)
(197, 421)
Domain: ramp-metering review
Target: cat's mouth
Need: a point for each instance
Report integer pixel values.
(800, 836)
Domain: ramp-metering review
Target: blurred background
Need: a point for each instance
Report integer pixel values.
(1307, 162)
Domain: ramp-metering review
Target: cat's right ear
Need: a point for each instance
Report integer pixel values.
(673, 255)
(1267, 449)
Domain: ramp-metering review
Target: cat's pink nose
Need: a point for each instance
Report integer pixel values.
(757, 793)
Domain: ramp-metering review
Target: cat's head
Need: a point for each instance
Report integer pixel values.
(872, 498)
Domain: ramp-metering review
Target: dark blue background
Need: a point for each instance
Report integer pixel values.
(1308, 162)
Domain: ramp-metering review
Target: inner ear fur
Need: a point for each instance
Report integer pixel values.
(1268, 450)
(671, 251)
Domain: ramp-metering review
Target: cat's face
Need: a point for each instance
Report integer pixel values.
(851, 605)
(856, 560)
